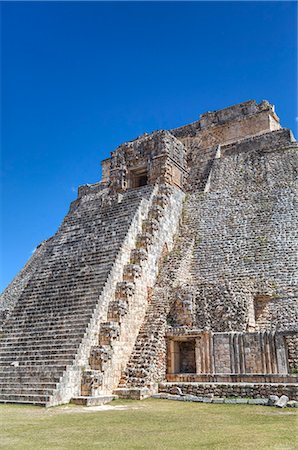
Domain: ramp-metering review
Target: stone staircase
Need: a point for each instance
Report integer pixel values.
(147, 363)
(45, 340)
(127, 308)
(148, 357)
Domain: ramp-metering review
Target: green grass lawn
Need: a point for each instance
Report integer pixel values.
(150, 424)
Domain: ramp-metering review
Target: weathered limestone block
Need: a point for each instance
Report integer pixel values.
(124, 289)
(272, 400)
(183, 309)
(150, 226)
(156, 212)
(138, 255)
(132, 272)
(144, 240)
(99, 356)
(282, 402)
(166, 190)
(109, 332)
(161, 200)
(118, 309)
(91, 380)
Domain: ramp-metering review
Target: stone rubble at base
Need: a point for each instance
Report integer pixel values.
(176, 272)
(279, 403)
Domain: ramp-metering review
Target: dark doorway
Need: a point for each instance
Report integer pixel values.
(142, 180)
(139, 178)
(187, 357)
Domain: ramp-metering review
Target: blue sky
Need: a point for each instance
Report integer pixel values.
(78, 79)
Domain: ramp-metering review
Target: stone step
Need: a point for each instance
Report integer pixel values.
(64, 299)
(57, 284)
(26, 385)
(45, 335)
(23, 398)
(21, 390)
(44, 293)
(25, 345)
(17, 353)
(41, 362)
(40, 299)
(33, 370)
(51, 320)
(25, 357)
(24, 378)
(51, 337)
(52, 327)
(93, 401)
(52, 309)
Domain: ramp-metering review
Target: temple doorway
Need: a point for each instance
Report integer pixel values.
(187, 357)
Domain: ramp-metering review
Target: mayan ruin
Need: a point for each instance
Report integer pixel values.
(176, 273)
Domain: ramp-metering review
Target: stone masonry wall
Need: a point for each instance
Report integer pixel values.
(252, 390)
(246, 246)
(292, 344)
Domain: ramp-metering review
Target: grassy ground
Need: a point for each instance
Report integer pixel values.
(150, 424)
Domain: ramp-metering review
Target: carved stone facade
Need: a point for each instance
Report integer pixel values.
(178, 267)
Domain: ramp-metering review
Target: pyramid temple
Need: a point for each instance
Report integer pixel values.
(177, 269)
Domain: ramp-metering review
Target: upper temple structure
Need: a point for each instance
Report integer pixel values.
(177, 269)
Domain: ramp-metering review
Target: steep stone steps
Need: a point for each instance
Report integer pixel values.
(125, 312)
(147, 361)
(43, 332)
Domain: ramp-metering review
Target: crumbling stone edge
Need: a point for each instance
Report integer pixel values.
(272, 400)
